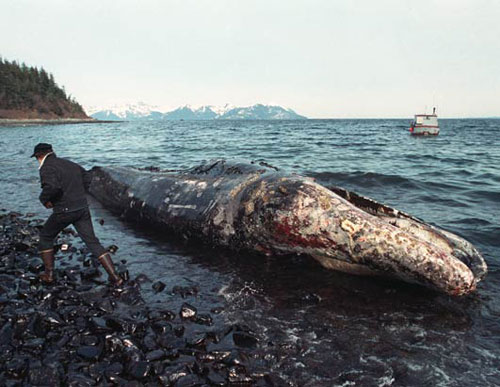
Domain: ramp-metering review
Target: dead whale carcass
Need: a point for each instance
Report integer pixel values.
(257, 207)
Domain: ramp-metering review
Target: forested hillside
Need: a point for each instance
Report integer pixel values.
(28, 92)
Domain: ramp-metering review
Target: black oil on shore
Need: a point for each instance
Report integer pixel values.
(308, 326)
(81, 331)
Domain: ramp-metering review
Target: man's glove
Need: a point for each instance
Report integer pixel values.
(49, 205)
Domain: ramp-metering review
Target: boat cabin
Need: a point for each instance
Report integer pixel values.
(425, 124)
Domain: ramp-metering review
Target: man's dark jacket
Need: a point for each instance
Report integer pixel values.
(63, 184)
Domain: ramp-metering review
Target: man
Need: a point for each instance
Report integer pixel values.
(63, 189)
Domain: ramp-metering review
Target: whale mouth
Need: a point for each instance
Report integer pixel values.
(458, 247)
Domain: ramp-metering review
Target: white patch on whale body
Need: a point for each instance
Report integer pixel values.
(210, 206)
(186, 206)
(219, 217)
(189, 182)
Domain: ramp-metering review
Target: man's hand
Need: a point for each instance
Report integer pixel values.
(49, 205)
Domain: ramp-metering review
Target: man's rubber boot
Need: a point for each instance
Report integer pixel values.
(107, 263)
(48, 261)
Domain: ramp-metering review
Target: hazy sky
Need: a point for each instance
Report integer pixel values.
(322, 58)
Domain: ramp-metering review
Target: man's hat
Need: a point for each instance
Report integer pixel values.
(41, 148)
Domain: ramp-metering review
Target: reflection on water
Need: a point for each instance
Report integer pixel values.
(319, 327)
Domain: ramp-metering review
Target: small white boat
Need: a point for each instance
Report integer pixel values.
(425, 124)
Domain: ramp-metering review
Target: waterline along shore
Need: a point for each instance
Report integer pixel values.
(61, 121)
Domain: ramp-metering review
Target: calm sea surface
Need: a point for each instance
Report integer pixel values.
(320, 328)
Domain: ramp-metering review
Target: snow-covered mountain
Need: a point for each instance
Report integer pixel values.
(190, 113)
(219, 110)
(126, 112)
(261, 112)
(141, 112)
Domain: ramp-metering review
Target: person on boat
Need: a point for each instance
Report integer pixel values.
(64, 184)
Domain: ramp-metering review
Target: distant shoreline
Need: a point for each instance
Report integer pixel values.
(4, 122)
(59, 121)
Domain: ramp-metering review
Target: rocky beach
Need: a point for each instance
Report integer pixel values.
(83, 332)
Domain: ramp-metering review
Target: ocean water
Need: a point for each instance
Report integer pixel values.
(317, 327)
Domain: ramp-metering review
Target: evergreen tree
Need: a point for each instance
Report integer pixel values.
(29, 89)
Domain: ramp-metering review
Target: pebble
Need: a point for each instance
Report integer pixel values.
(158, 286)
(157, 354)
(187, 311)
(139, 369)
(82, 332)
(89, 352)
